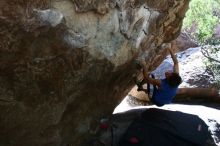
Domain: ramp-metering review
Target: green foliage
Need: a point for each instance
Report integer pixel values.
(199, 24)
(212, 62)
(200, 19)
(215, 70)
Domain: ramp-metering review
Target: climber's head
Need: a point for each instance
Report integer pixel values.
(174, 79)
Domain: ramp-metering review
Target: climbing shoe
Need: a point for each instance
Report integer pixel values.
(138, 65)
(138, 83)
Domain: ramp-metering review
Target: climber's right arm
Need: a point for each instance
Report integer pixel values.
(175, 61)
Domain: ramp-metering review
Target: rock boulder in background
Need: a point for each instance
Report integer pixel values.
(183, 42)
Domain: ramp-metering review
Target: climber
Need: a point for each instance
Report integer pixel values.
(163, 90)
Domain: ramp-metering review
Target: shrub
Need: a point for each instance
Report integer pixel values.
(199, 23)
(201, 19)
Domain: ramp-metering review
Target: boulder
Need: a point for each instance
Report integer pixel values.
(66, 64)
(183, 42)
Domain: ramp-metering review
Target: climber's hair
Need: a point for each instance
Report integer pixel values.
(174, 80)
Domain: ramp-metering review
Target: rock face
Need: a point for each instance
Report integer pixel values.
(66, 64)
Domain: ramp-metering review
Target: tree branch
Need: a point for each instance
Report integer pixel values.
(207, 55)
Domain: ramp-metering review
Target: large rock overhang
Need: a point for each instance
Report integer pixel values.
(66, 64)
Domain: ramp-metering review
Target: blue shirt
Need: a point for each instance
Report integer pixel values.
(164, 94)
